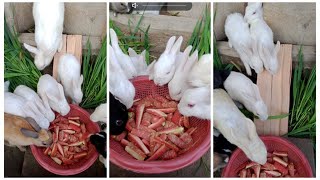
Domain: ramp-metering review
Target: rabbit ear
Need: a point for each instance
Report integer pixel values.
(132, 53)
(33, 123)
(170, 44)
(177, 45)
(29, 133)
(245, 55)
(31, 49)
(187, 51)
(81, 80)
(143, 54)
(51, 97)
(114, 41)
(251, 129)
(191, 60)
(61, 90)
(256, 91)
(277, 48)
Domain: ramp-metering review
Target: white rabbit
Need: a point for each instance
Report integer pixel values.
(196, 102)
(100, 113)
(236, 128)
(262, 34)
(119, 85)
(19, 106)
(69, 74)
(200, 74)
(32, 96)
(139, 61)
(166, 65)
(178, 83)
(6, 86)
(123, 59)
(51, 93)
(242, 89)
(48, 18)
(238, 33)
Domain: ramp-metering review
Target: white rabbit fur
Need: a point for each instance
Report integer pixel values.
(236, 128)
(139, 61)
(6, 86)
(51, 93)
(196, 102)
(100, 113)
(123, 59)
(243, 90)
(119, 85)
(238, 33)
(178, 83)
(200, 74)
(165, 66)
(262, 34)
(32, 96)
(69, 74)
(19, 106)
(48, 17)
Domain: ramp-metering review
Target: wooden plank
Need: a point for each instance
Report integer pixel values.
(57, 57)
(74, 46)
(287, 68)
(275, 91)
(264, 81)
(309, 53)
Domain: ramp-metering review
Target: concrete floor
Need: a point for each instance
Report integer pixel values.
(23, 164)
(197, 169)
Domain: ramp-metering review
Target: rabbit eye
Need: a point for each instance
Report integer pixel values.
(119, 122)
(254, 13)
(190, 105)
(168, 72)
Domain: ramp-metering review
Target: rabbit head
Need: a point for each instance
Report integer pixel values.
(118, 115)
(165, 67)
(76, 88)
(42, 137)
(196, 102)
(60, 103)
(250, 142)
(40, 59)
(254, 11)
(179, 84)
(200, 74)
(100, 113)
(139, 61)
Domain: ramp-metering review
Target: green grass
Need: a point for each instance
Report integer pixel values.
(19, 68)
(133, 39)
(302, 121)
(201, 36)
(94, 71)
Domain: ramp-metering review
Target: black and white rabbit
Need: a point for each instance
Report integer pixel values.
(99, 140)
(118, 116)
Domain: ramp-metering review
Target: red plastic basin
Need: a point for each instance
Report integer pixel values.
(47, 163)
(273, 143)
(202, 136)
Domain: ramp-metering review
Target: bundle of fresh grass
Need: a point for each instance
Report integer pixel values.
(19, 68)
(302, 121)
(94, 70)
